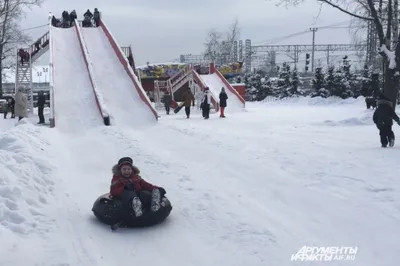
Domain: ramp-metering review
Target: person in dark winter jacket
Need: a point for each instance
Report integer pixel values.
(205, 103)
(383, 118)
(188, 99)
(134, 192)
(167, 102)
(8, 106)
(40, 104)
(66, 19)
(96, 17)
(222, 102)
(72, 17)
(54, 21)
(87, 19)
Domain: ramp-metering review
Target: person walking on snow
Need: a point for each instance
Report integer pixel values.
(205, 104)
(21, 104)
(383, 118)
(222, 102)
(134, 191)
(167, 102)
(40, 104)
(188, 99)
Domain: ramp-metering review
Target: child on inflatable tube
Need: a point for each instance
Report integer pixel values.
(134, 192)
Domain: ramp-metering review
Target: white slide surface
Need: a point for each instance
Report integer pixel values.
(215, 84)
(120, 95)
(74, 99)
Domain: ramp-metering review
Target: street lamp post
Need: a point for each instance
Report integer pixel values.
(45, 70)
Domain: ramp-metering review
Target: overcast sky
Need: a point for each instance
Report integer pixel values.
(160, 30)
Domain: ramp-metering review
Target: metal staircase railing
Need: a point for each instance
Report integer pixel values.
(188, 77)
(175, 79)
(23, 74)
(159, 87)
(23, 77)
(38, 48)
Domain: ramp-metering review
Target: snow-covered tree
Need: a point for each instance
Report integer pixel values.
(318, 84)
(294, 84)
(284, 82)
(366, 81)
(385, 18)
(253, 85)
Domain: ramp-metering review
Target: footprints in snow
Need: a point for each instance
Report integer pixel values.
(25, 182)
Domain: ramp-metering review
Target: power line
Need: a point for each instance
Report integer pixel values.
(331, 26)
(37, 27)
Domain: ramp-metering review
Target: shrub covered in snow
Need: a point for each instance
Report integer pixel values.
(343, 82)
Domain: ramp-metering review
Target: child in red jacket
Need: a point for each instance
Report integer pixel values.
(134, 192)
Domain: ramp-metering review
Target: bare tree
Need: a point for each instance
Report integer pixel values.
(220, 45)
(373, 10)
(212, 44)
(11, 35)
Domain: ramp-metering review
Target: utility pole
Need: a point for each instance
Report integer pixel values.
(313, 47)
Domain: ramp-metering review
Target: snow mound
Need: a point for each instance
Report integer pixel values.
(316, 101)
(364, 119)
(25, 179)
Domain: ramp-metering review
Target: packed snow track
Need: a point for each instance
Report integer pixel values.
(119, 93)
(215, 84)
(243, 192)
(74, 99)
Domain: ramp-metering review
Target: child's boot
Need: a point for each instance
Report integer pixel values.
(155, 200)
(137, 206)
(391, 142)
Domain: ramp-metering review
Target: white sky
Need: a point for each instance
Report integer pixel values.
(160, 30)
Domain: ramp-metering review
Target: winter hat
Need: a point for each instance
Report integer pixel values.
(124, 161)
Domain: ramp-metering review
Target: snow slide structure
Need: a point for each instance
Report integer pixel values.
(123, 94)
(74, 101)
(215, 81)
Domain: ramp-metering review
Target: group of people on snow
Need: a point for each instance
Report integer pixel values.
(68, 19)
(204, 99)
(18, 106)
(24, 55)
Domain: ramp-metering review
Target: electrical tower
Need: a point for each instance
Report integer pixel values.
(313, 47)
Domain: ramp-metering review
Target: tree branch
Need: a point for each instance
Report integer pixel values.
(345, 11)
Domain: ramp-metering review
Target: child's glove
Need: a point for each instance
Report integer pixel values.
(162, 191)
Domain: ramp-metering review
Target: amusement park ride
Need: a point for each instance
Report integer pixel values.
(23, 74)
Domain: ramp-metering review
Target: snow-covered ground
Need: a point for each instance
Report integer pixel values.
(251, 189)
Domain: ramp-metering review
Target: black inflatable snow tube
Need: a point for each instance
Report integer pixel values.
(108, 210)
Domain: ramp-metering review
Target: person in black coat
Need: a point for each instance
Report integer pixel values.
(167, 102)
(383, 118)
(96, 17)
(72, 17)
(66, 19)
(40, 104)
(222, 102)
(87, 19)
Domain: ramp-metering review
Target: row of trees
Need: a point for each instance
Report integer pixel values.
(384, 16)
(341, 82)
(11, 34)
